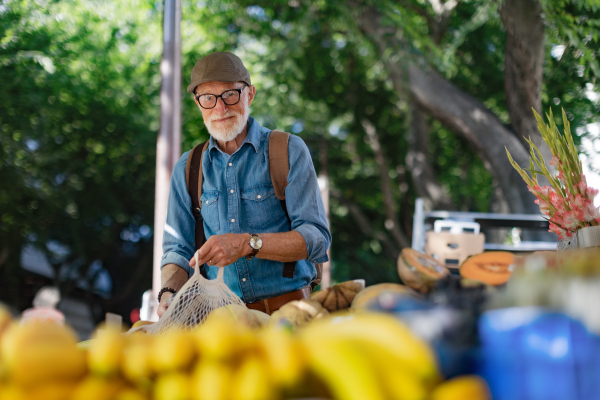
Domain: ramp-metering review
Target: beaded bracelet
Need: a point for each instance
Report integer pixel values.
(164, 290)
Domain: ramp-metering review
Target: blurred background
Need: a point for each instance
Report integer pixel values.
(395, 99)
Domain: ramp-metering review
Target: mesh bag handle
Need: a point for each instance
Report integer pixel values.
(193, 302)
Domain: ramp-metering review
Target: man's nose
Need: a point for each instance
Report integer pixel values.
(221, 107)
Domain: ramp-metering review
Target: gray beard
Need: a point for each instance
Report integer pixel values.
(227, 134)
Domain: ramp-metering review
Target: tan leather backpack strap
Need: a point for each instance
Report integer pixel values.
(279, 164)
(193, 179)
(279, 167)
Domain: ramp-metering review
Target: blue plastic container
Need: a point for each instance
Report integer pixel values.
(530, 353)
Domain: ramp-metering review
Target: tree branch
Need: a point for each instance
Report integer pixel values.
(456, 109)
(386, 185)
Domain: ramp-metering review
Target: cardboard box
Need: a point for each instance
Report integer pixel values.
(452, 249)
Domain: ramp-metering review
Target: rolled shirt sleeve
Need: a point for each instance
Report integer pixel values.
(304, 203)
(178, 239)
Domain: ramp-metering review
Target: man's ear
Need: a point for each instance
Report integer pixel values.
(251, 94)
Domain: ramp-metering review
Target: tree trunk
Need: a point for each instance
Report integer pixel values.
(422, 172)
(456, 109)
(523, 72)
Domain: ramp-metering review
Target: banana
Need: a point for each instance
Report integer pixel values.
(130, 394)
(240, 315)
(251, 381)
(137, 364)
(97, 388)
(470, 387)
(383, 332)
(344, 369)
(12, 392)
(284, 355)
(105, 353)
(397, 380)
(211, 381)
(221, 339)
(172, 386)
(39, 352)
(46, 391)
(174, 350)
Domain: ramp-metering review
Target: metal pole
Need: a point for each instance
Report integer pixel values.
(168, 146)
(323, 180)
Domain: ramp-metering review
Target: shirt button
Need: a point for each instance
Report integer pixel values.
(231, 164)
(206, 201)
(232, 190)
(232, 220)
(243, 279)
(259, 196)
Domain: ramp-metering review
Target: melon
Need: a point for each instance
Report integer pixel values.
(297, 313)
(493, 268)
(419, 271)
(363, 299)
(340, 296)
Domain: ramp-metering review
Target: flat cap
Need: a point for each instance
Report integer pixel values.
(220, 66)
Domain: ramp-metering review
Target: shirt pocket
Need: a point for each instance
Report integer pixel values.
(262, 208)
(210, 209)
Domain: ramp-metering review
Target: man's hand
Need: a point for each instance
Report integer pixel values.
(163, 305)
(222, 250)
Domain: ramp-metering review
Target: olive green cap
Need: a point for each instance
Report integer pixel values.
(220, 66)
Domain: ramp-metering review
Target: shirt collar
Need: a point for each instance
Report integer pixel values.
(252, 137)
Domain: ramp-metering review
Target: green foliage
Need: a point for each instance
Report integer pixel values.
(79, 111)
(78, 121)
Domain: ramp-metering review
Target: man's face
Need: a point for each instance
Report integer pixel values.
(225, 122)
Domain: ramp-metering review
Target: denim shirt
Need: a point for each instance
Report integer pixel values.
(238, 197)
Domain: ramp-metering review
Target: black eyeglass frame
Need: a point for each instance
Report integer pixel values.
(197, 97)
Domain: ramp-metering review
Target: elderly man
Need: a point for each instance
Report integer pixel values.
(247, 230)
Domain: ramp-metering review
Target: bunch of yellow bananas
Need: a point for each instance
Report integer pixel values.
(354, 356)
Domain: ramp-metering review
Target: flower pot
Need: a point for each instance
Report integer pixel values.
(585, 237)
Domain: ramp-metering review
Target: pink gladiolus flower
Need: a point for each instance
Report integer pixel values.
(591, 193)
(570, 220)
(555, 161)
(545, 190)
(578, 202)
(590, 213)
(582, 186)
(561, 176)
(544, 207)
(555, 199)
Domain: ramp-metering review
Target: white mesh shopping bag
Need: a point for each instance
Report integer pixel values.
(194, 301)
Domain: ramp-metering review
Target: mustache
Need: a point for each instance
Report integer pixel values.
(229, 113)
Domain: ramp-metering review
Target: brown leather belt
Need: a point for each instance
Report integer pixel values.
(275, 303)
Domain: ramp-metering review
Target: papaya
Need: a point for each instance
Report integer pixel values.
(419, 271)
(340, 296)
(493, 268)
(365, 297)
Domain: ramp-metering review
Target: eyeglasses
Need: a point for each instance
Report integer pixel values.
(229, 97)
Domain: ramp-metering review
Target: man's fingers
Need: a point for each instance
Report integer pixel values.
(212, 257)
(202, 252)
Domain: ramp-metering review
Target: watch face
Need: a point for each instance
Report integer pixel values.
(255, 242)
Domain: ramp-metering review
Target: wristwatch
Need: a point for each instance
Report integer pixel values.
(256, 243)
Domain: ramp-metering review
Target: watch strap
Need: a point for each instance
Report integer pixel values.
(254, 251)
